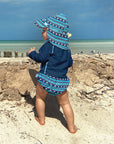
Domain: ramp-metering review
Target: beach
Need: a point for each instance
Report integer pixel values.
(91, 94)
(76, 46)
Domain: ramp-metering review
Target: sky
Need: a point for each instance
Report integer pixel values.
(88, 19)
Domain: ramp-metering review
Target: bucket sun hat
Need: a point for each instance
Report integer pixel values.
(57, 29)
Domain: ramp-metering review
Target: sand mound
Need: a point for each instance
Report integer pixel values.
(91, 94)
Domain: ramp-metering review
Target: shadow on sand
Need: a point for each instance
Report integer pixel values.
(52, 107)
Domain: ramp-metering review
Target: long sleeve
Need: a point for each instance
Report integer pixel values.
(43, 55)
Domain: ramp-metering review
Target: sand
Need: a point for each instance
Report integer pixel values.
(94, 118)
(18, 126)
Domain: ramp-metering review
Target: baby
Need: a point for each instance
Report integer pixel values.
(55, 58)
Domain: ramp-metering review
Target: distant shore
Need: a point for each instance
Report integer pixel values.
(76, 46)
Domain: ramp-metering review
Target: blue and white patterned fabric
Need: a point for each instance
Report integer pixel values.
(57, 29)
(52, 85)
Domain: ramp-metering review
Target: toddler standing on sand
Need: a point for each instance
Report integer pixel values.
(55, 58)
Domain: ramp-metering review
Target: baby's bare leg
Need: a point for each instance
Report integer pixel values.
(40, 104)
(67, 109)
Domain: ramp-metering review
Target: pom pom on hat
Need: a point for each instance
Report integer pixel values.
(69, 35)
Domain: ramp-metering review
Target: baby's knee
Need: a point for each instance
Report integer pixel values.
(64, 104)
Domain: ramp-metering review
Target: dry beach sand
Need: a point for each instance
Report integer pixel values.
(91, 94)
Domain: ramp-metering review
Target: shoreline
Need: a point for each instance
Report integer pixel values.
(76, 46)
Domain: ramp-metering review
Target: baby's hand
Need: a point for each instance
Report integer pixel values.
(32, 49)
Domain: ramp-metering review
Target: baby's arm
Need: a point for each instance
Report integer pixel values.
(35, 56)
(32, 49)
(40, 57)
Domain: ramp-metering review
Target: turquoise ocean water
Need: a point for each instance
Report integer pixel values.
(76, 46)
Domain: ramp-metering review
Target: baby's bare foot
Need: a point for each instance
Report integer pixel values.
(41, 123)
(74, 130)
